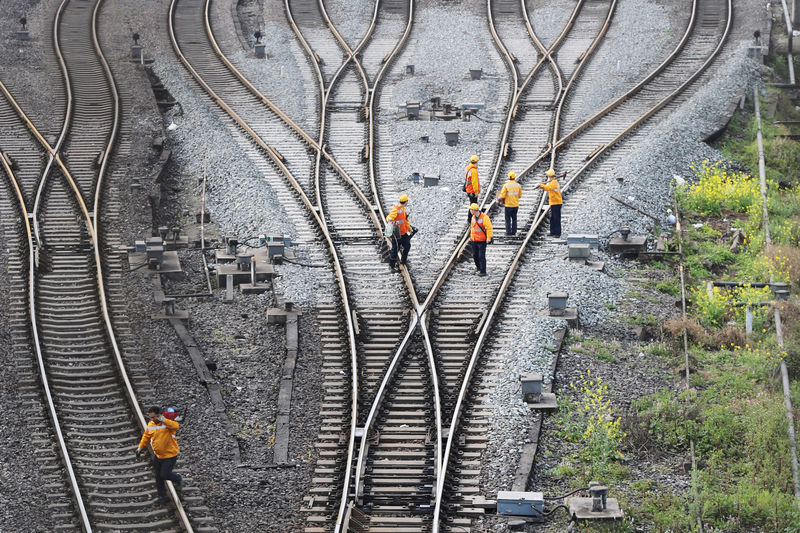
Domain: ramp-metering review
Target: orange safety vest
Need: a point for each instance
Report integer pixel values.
(478, 230)
(401, 219)
(468, 179)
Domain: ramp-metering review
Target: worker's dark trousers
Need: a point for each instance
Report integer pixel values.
(403, 241)
(479, 255)
(163, 468)
(473, 199)
(511, 220)
(555, 219)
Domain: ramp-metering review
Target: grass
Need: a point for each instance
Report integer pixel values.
(734, 410)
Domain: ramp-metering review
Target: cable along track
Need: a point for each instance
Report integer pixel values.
(80, 365)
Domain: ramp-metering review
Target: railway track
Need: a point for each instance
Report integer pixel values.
(342, 213)
(716, 17)
(94, 411)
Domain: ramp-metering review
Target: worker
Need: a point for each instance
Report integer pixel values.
(401, 232)
(481, 235)
(510, 194)
(554, 199)
(472, 186)
(161, 433)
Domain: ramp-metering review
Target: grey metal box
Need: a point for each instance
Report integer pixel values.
(139, 246)
(511, 503)
(430, 180)
(557, 300)
(531, 384)
(583, 238)
(578, 251)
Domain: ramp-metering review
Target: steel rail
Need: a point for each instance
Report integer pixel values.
(519, 90)
(350, 53)
(321, 150)
(183, 518)
(574, 77)
(459, 249)
(537, 41)
(83, 516)
(466, 382)
(663, 103)
(603, 112)
(405, 343)
(91, 226)
(387, 62)
(338, 270)
(515, 264)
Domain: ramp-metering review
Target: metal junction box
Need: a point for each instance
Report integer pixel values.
(520, 503)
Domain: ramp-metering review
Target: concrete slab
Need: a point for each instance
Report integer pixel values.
(180, 314)
(264, 272)
(170, 264)
(570, 315)
(258, 288)
(581, 509)
(634, 243)
(547, 402)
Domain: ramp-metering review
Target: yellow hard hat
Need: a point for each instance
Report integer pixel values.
(550, 172)
(473, 205)
(403, 198)
(512, 175)
(473, 159)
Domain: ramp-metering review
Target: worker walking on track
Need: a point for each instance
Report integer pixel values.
(481, 235)
(161, 433)
(401, 231)
(472, 186)
(510, 194)
(554, 199)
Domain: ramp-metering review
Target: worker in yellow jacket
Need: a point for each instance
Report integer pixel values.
(160, 433)
(510, 194)
(472, 185)
(480, 234)
(554, 199)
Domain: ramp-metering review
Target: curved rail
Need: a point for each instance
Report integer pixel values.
(530, 234)
(325, 93)
(91, 226)
(83, 516)
(311, 209)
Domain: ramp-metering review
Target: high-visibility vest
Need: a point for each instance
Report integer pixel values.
(478, 229)
(511, 193)
(401, 219)
(469, 188)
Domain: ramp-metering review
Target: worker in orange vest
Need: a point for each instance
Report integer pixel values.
(510, 194)
(554, 199)
(401, 231)
(480, 235)
(471, 184)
